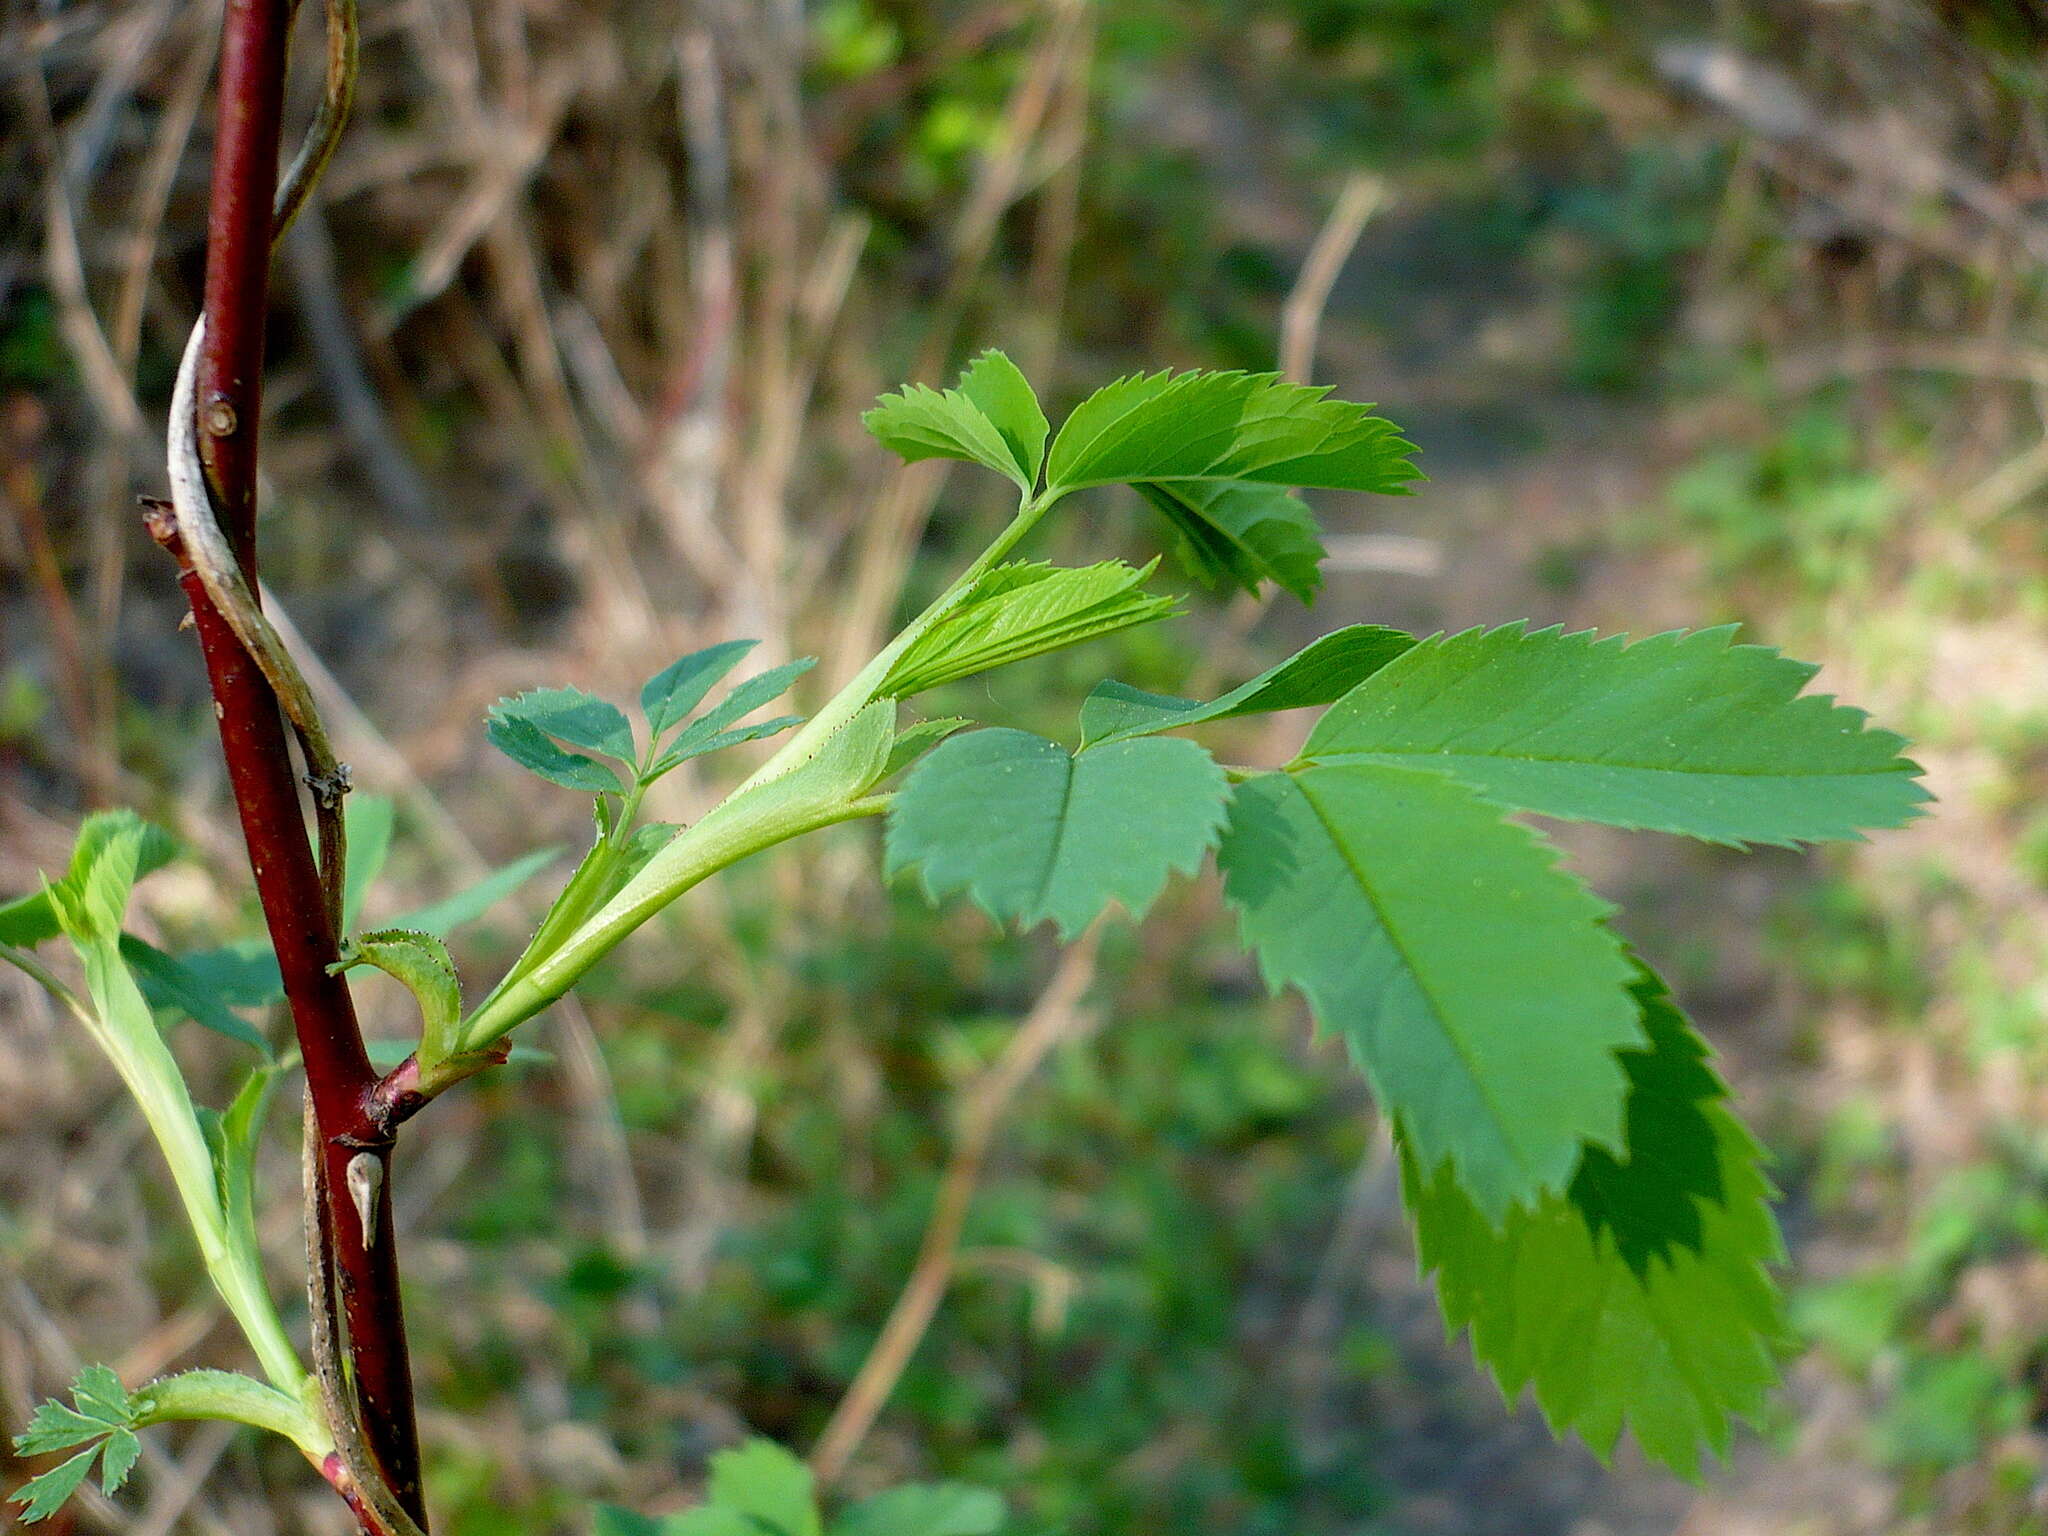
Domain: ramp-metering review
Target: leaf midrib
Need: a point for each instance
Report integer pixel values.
(1458, 1045)
(1898, 766)
(1059, 839)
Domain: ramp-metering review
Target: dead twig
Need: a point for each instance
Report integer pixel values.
(1301, 317)
(1056, 1016)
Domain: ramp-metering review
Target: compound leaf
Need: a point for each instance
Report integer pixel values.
(1320, 672)
(101, 1421)
(1476, 983)
(1033, 833)
(1675, 1349)
(1682, 732)
(1237, 532)
(1015, 612)
(1226, 426)
(679, 687)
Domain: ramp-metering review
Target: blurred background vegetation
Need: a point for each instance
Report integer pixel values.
(1698, 312)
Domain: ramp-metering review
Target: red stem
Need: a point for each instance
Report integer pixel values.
(260, 770)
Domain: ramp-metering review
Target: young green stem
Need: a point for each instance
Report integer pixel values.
(573, 938)
(237, 1399)
(860, 692)
(720, 840)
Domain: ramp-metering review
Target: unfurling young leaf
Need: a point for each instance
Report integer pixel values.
(1033, 833)
(992, 418)
(1319, 673)
(1019, 611)
(420, 962)
(102, 1421)
(1675, 1340)
(1475, 982)
(1686, 733)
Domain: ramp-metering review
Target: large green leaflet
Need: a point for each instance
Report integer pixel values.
(1226, 426)
(1033, 833)
(1322, 671)
(1476, 983)
(1686, 733)
(1676, 1347)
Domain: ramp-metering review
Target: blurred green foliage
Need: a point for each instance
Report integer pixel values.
(1174, 1181)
